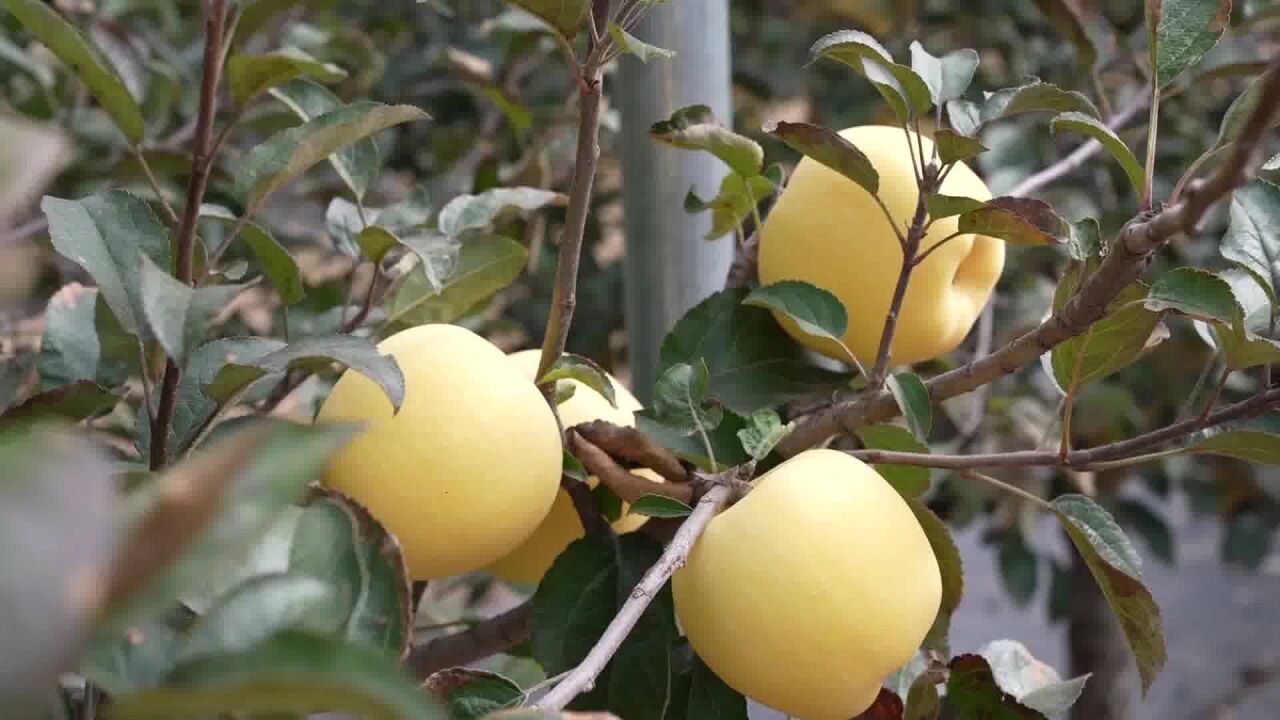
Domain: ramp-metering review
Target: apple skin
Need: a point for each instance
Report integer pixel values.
(809, 591)
(470, 465)
(529, 562)
(828, 231)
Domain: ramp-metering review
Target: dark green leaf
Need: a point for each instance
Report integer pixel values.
(682, 399)
(179, 315)
(195, 407)
(1194, 292)
(1117, 569)
(922, 701)
(639, 676)
(711, 699)
(1255, 446)
(949, 565)
(753, 363)
(1145, 522)
(1017, 567)
(906, 92)
(97, 74)
(107, 234)
(954, 147)
(660, 506)
(1187, 30)
(469, 694)
(945, 206)
(1248, 539)
(725, 442)
(828, 147)
(583, 369)
(1085, 240)
(71, 349)
(1253, 237)
(695, 128)
(1109, 345)
(910, 480)
(141, 657)
(1242, 348)
(566, 16)
(1023, 221)
(574, 603)
(1237, 116)
(634, 46)
(278, 265)
(1035, 97)
(485, 265)
(814, 310)
(1096, 129)
(339, 542)
(249, 75)
(259, 608)
(972, 692)
(57, 504)
(375, 241)
(75, 401)
(1085, 25)
(574, 468)
(763, 432)
(358, 354)
(913, 399)
(292, 672)
(482, 212)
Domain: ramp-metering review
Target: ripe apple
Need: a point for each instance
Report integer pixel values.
(529, 562)
(470, 465)
(810, 590)
(828, 231)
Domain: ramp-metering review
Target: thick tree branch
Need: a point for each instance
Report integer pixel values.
(1078, 157)
(583, 677)
(634, 446)
(215, 25)
(489, 637)
(625, 484)
(1128, 256)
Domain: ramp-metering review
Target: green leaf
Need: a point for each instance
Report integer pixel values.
(259, 608)
(901, 87)
(338, 541)
(1018, 568)
(1242, 349)
(469, 694)
(482, 212)
(57, 501)
(1035, 96)
(97, 74)
(229, 496)
(1118, 571)
(1096, 129)
(1144, 521)
(972, 692)
(71, 348)
(1019, 673)
(439, 254)
(583, 369)
(358, 354)
(140, 658)
(945, 206)
(965, 117)
(291, 152)
(1085, 240)
(1113, 343)
(1194, 292)
(909, 480)
(249, 75)
(485, 265)
(753, 363)
(737, 198)
(922, 701)
(107, 234)
(682, 399)
(1238, 114)
(195, 406)
(913, 399)
(816, 311)
(711, 699)
(725, 442)
(1187, 30)
(1022, 221)
(74, 402)
(293, 672)
(574, 603)
(1252, 240)
(566, 16)
(1255, 446)
(632, 45)
(179, 315)
(695, 128)
(375, 241)
(638, 686)
(951, 568)
(278, 265)
(828, 147)
(947, 77)
(660, 506)
(954, 147)
(763, 432)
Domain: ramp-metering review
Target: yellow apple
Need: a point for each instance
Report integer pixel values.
(828, 231)
(470, 465)
(810, 590)
(529, 562)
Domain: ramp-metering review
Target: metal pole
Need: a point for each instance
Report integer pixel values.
(669, 267)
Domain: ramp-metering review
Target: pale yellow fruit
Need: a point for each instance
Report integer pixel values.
(828, 231)
(529, 562)
(809, 591)
(468, 468)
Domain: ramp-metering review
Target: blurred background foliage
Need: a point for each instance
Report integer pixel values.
(496, 88)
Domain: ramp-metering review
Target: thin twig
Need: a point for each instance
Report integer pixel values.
(625, 484)
(215, 23)
(912, 246)
(583, 677)
(630, 444)
(1006, 487)
(155, 186)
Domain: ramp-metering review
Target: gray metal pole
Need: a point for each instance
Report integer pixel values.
(669, 267)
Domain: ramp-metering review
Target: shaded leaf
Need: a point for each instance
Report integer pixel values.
(965, 117)
(828, 147)
(71, 348)
(945, 206)
(1085, 26)
(695, 128)
(724, 439)
(566, 16)
(583, 369)
(763, 432)
(1255, 446)
(1036, 97)
(1085, 240)
(483, 211)
(1118, 571)
(972, 692)
(1096, 129)
(710, 698)
(249, 75)
(358, 354)
(259, 608)
(682, 399)
(140, 658)
(660, 506)
(1146, 523)
(574, 603)
(485, 265)
(913, 399)
(814, 310)
(1252, 240)
(954, 147)
(97, 74)
(179, 315)
(1017, 567)
(1187, 29)
(276, 262)
(632, 45)
(910, 480)
(901, 87)
(1023, 221)
(469, 693)
(74, 402)
(1194, 292)
(1109, 345)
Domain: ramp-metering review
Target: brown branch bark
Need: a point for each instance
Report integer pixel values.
(489, 637)
(910, 247)
(1128, 257)
(634, 446)
(215, 25)
(624, 483)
